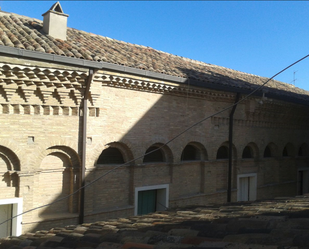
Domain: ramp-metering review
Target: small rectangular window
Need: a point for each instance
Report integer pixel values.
(89, 140)
(30, 140)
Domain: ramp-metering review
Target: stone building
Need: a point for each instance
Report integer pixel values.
(83, 110)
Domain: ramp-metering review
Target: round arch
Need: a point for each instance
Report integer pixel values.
(288, 150)
(223, 151)
(303, 150)
(10, 159)
(63, 152)
(250, 151)
(63, 146)
(270, 150)
(9, 168)
(116, 149)
(59, 177)
(162, 153)
(194, 151)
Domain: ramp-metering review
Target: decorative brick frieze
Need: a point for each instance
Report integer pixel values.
(45, 110)
(43, 91)
(34, 75)
(160, 87)
(32, 78)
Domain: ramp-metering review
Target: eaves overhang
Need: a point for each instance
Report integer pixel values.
(87, 63)
(276, 94)
(258, 91)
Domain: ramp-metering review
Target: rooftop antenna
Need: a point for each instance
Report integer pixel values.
(294, 73)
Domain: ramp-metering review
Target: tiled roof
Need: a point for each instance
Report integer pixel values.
(27, 33)
(281, 223)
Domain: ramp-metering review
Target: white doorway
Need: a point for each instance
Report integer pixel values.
(149, 199)
(246, 187)
(10, 208)
(5, 214)
(303, 181)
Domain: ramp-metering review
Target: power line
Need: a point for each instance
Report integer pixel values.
(160, 147)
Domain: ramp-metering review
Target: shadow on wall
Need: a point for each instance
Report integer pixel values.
(234, 81)
(187, 165)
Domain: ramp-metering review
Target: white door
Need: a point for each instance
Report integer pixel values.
(246, 188)
(156, 196)
(5, 214)
(244, 184)
(303, 182)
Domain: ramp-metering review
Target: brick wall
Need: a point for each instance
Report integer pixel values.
(40, 143)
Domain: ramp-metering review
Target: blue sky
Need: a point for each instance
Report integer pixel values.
(257, 37)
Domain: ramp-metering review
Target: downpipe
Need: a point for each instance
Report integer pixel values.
(84, 141)
(231, 123)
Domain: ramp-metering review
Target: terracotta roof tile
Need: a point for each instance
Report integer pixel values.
(259, 224)
(27, 33)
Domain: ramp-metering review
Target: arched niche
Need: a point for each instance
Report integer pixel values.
(9, 160)
(59, 178)
(9, 168)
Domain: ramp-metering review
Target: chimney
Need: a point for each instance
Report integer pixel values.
(55, 22)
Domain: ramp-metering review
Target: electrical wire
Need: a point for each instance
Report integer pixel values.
(160, 147)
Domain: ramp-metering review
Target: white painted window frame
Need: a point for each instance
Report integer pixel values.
(153, 187)
(17, 210)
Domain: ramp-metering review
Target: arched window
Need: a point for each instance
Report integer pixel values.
(111, 156)
(267, 152)
(247, 152)
(190, 153)
(288, 150)
(223, 152)
(303, 150)
(285, 152)
(155, 155)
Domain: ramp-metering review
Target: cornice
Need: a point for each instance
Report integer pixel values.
(64, 87)
(160, 87)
